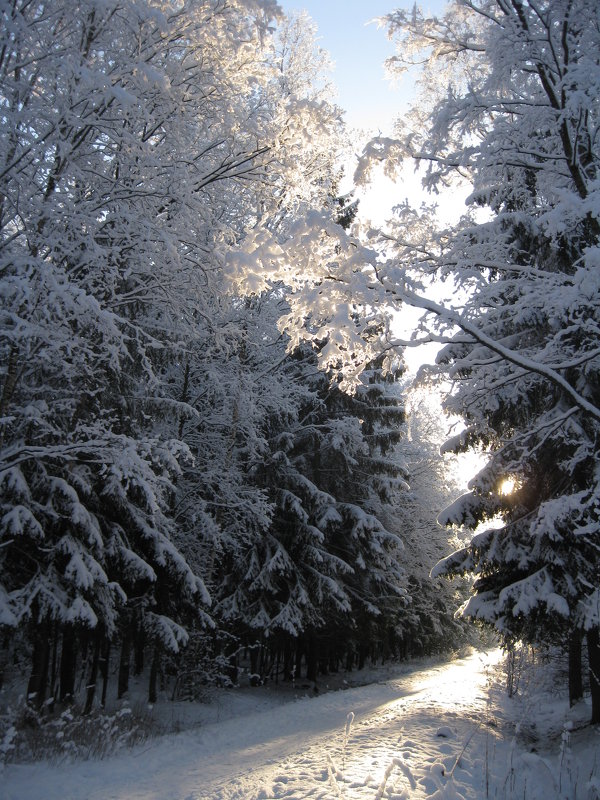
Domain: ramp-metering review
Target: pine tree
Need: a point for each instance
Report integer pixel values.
(518, 119)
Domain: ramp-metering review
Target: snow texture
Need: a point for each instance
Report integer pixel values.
(427, 731)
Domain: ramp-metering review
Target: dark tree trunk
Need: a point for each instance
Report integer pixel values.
(104, 665)
(4, 658)
(288, 658)
(263, 662)
(403, 648)
(91, 686)
(232, 668)
(323, 663)
(53, 679)
(334, 660)
(363, 651)
(152, 694)
(38, 680)
(67, 667)
(254, 665)
(385, 650)
(312, 658)
(123, 680)
(138, 651)
(299, 654)
(593, 643)
(277, 664)
(349, 658)
(575, 667)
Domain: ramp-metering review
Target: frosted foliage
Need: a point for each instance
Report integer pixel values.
(172, 279)
(327, 273)
(167, 632)
(510, 105)
(122, 121)
(293, 552)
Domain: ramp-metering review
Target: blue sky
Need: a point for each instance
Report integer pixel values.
(359, 50)
(372, 103)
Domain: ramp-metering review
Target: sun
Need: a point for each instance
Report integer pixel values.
(507, 486)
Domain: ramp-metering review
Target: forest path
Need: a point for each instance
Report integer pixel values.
(404, 739)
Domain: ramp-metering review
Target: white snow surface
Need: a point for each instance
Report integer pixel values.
(442, 731)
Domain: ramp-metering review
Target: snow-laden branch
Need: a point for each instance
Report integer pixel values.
(528, 364)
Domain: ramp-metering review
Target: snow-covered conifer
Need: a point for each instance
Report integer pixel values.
(516, 114)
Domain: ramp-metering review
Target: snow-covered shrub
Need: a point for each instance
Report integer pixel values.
(33, 735)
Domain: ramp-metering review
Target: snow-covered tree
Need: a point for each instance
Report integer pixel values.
(139, 142)
(300, 552)
(516, 115)
(98, 268)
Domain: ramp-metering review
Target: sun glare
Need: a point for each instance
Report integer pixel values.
(507, 486)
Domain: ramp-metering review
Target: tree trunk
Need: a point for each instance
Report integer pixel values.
(254, 665)
(104, 665)
(277, 664)
(67, 667)
(575, 667)
(323, 661)
(53, 685)
(138, 651)
(288, 660)
(4, 658)
(38, 680)
(152, 694)
(232, 669)
(363, 651)
(263, 662)
(334, 660)
(299, 654)
(312, 658)
(91, 687)
(123, 680)
(349, 658)
(593, 643)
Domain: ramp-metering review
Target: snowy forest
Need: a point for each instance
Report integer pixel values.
(213, 465)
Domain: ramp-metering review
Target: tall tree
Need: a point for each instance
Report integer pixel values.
(133, 155)
(317, 556)
(518, 117)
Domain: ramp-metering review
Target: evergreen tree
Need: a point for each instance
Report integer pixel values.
(519, 119)
(134, 161)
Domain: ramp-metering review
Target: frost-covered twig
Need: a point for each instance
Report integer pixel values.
(347, 729)
(460, 755)
(331, 772)
(396, 762)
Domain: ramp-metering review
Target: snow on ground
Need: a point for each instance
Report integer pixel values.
(444, 731)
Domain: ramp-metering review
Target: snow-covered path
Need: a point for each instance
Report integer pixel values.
(404, 736)
(411, 729)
